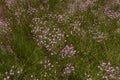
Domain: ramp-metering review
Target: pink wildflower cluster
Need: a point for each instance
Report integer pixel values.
(111, 13)
(49, 68)
(80, 5)
(47, 64)
(12, 73)
(75, 28)
(108, 72)
(32, 10)
(4, 34)
(9, 3)
(116, 2)
(61, 18)
(88, 77)
(88, 3)
(68, 51)
(4, 29)
(98, 35)
(47, 35)
(3, 23)
(68, 69)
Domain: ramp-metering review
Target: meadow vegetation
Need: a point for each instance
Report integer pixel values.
(59, 39)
